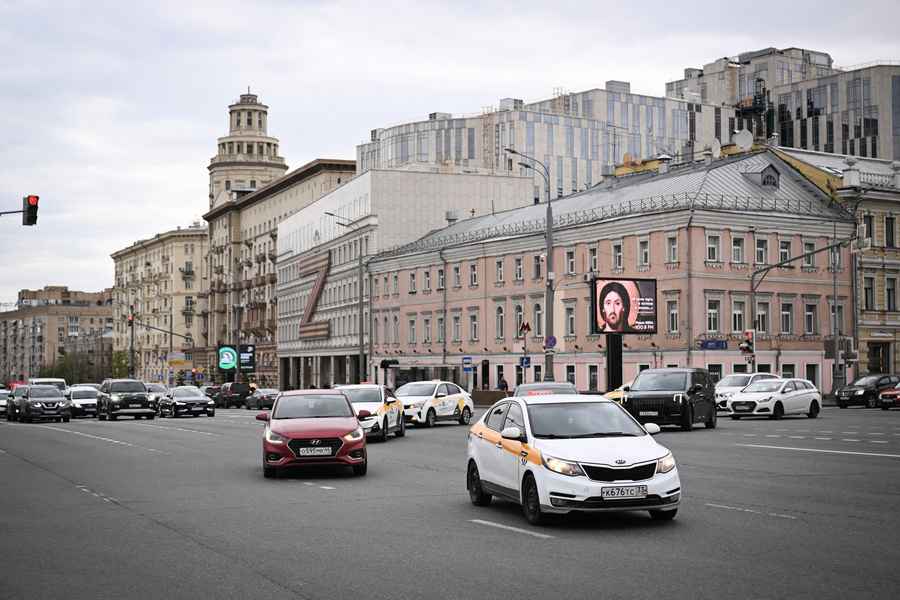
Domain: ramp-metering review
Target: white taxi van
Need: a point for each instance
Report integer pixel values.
(427, 402)
(557, 454)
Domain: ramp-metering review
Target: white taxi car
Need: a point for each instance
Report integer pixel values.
(557, 454)
(775, 398)
(385, 410)
(426, 402)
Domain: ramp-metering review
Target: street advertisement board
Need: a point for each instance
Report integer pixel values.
(248, 358)
(228, 357)
(624, 306)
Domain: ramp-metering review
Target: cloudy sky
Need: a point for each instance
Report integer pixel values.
(111, 109)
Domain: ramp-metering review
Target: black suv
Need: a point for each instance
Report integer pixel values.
(233, 394)
(865, 390)
(124, 397)
(672, 397)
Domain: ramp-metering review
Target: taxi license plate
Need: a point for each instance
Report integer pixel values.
(134, 406)
(631, 491)
(649, 413)
(314, 452)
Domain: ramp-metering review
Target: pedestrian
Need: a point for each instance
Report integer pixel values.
(502, 385)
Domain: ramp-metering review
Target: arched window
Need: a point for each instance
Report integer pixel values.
(538, 324)
(519, 316)
(396, 330)
(387, 333)
(500, 322)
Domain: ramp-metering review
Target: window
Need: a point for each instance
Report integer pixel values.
(869, 293)
(427, 285)
(426, 330)
(396, 283)
(570, 320)
(644, 253)
(809, 260)
(712, 248)
(473, 275)
(570, 262)
(712, 316)
(456, 276)
(762, 317)
(672, 311)
(787, 318)
(456, 332)
(501, 321)
(396, 330)
(412, 283)
(890, 293)
(473, 327)
(810, 326)
(538, 325)
(889, 228)
(387, 332)
(784, 251)
(836, 259)
(762, 252)
(593, 376)
(672, 249)
(440, 329)
(617, 256)
(570, 374)
(497, 417)
(440, 279)
(520, 318)
(537, 372)
(519, 270)
(592, 259)
(869, 226)
(737, 250)
(537, 266)
(500, 270)
(840, 316)
(738, 308)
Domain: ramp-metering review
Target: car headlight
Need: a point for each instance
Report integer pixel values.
(36, 404)
(562, 467)
(274, 438)
(115, 397)
(355, 435)
(860, 392)
(210, 402)
(764, 400)
(665, 464)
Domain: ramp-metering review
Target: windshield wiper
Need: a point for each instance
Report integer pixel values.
(605, 434)
(552, 436)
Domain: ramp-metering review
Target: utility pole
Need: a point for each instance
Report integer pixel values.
(239, 310)
(131, 365)
(361, 371)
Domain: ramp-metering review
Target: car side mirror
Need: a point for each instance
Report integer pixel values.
(262, 417)
(651, 428)
(363, 414)
(512, 433)
(695, 388)
(627, 388)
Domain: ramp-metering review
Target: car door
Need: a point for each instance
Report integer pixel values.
(392, 407)
(509, 458)
(789, 397)
(455, 398)
(488, 444)
(442, 399)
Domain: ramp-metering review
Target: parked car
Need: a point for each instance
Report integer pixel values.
(233, 394)
(564, 453)
(775, 398)
(539, 388)
(672, 397)
(380, 412)
(865, 390)
(44, 402)
(5, 400)
(211, 391)
(727, 386)
(84, 400)
(124, 397)
(261, 398)
(888, 399)
(308, 427)
(426, 402)
(14, 404)
(186, 400)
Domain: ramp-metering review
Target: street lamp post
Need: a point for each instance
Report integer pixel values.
(361, 371)
(548, 293)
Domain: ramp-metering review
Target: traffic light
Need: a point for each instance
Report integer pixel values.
(29, 210)
(131, 319)
(748, 345)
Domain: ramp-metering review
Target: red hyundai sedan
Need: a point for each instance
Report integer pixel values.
(309, 427)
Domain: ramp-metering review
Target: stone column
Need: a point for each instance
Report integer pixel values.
(331, 362)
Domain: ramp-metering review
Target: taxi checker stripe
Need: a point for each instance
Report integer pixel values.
(532, 455)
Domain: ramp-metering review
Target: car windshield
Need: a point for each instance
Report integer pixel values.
(187, 392)
(734, 381)
(156, 388)
(127, 386)
(45, 391)
(764, 386)
(581, 420)
(309, 406)
(83, 394)
(657, 382)
(870, 380)
(416, 389)
(360, 395)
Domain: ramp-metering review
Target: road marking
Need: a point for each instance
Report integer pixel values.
(820, 450)
(97, 437)
(823, 438)
(797, 437)
(2, 451)
(750, 510)
(749, 435)
(181, 429)
(773, 436)
(878, 441)
(542, 536)
(826, 431)
(327, 487)
(849, 432)
(308, 483)
(849, 440)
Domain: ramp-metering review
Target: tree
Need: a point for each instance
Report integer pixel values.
(120, 364)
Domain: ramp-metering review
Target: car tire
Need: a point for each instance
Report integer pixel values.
(871, 402)
(246, 406)
(777, 412)
(401, 429)
(884, 407)
(66, 419)
(466, 416)
(531, 502)
(813, 410)
(151, 417)
(430, 418)
(384, 431)
(735, 417)
(711, 423)
(361, 469)
(687, 422)
(101, 415)
(477, 495)
(842, 405)
(211, 414)
(269, 472)
(663, 515)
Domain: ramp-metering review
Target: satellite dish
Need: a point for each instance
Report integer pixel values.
(744, 140)
(716, 148)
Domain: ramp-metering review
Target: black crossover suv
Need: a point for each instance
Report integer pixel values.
(672, 397)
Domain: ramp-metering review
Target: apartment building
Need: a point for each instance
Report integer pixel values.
(48, 323)
(160, 279)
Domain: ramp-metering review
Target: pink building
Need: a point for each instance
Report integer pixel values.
(458, 296)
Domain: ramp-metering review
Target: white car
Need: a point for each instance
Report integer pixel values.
(426, 402)
(84, 401)
(776, 398)
(385, 410)
(556, 454)
(732, 384)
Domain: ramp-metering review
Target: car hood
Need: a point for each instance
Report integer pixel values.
(665, 393)
(729, 389)
(324, 427)
(753, 396)
(412, 399)
(604, 451)
(372, 407)
(193, 399)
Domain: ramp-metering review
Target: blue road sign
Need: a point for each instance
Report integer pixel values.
(551, 341)
(714, 344)
(525, 361)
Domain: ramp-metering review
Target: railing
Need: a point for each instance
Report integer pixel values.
(871, 63)
(877, 179)
(247, 158)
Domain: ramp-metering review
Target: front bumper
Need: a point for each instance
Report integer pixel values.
(883, 401)
(371, 426)
(135, 412)
(564, 494)
(201, 409)
(281, 455)
(47, 413)
(85, 410)
(852, 399)
(750, 408)
(414, 414)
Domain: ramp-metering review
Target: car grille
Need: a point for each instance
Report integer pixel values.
(743, 406)
(628, 474)
(50, 404)
(333, 443)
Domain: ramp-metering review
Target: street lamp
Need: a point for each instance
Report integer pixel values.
(548, 294)
(361, 372)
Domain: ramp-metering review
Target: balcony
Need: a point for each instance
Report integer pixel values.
(188, 311)
(186, 272)
(272, 278)
(272, 255)
(260, 257)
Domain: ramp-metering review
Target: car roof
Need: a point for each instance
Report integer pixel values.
(435, 381)
(43, 387)
(560, 399)
(358, 386)
(315, 392)
(673, 370)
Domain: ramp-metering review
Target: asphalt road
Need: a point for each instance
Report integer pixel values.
(173, 509)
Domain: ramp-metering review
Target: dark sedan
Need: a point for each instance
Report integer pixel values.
(186, 400)
(261, 398)
(44, 402)
(865, 390)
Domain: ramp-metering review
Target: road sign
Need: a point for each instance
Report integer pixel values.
(468, 369)
(713, 344)
(466, 360)
(525, 361)
(551, 341)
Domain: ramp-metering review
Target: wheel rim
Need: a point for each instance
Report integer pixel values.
(532, 502)
(466, 415)
(472, 482)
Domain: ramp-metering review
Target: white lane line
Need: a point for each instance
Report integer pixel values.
(875, 433)
(308, 483)
(2, 451)
(180, 429)
(797, 437)
(327, 487)
(826, 431)
(97, 437)
(849, 432)
(849, 440)
(542, 536)
(823, 438)
(749, 435)
(819, 450)
(773, 436)
(750, 510)
(878, 441)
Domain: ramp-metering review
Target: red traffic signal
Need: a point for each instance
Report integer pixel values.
(30, 209)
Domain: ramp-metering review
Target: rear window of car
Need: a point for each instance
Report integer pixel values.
(127, 386)
(360, 395)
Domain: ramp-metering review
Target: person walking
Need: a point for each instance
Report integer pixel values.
(502, 385)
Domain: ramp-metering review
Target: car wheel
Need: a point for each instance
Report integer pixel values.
(151, 417)
(401, 429)
(711, 423)
(871, 402)
(66, 419)
(246, 406)
(473, 483)
(269, 472)
(465, 417)
(777, 412)
(531, 502)
(884, 407)
(813, 410)
(361, 469)
(384, 431)
(663, 515)
(110, 416)
(430, 418)
(687, 422)
(842, 405)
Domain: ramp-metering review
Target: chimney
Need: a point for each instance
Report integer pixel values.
(851, 173)
(663, 160)
(896, 167)
(452, 217)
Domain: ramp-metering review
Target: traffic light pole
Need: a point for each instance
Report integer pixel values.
(131, 344)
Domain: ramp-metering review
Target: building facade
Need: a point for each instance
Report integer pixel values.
(159, 280)
(699, 231)
(579, 136)
(46, 325)
(324, 248)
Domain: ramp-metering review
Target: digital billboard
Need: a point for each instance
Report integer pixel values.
(624, 306)
(248, 358)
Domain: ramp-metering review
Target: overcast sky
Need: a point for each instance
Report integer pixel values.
(110, 110)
